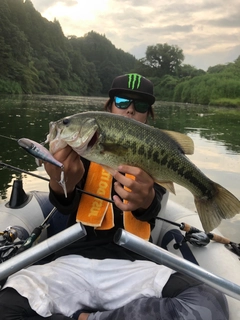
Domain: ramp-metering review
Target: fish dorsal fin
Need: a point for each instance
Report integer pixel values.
(185, 142)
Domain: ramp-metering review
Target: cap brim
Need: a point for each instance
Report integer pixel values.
(146, 96)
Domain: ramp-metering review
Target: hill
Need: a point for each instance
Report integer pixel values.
(36, 57)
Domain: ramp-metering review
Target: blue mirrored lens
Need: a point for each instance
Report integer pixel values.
(123, 103)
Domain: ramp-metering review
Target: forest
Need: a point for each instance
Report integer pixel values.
(36, 58)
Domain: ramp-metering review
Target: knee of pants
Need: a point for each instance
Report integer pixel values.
(15, 306)
(12, 303)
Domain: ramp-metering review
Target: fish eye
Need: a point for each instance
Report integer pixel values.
(66, 121)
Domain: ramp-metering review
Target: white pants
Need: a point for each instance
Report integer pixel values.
(72, 282)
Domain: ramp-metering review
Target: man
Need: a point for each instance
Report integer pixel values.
(94, 278)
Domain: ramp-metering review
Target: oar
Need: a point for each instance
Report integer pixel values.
(161, 256)
(46, 179)
(42, 250)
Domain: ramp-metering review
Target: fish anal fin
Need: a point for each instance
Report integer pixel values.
(168, 185)
(185, 142)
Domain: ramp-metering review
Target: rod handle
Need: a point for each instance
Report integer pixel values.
(186, 227)
(217, 238)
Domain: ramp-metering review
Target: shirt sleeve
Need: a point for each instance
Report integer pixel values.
(153, 210)
(69, 205)
(65, 205)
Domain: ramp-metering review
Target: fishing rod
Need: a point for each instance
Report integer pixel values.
(46, 179)
(201, 238)
(10, 138)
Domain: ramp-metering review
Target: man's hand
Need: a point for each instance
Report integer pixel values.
(141, 193)
(73, 170)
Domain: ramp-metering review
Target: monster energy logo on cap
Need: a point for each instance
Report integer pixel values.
(134, 81)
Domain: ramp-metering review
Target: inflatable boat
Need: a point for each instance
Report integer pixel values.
(28, 222)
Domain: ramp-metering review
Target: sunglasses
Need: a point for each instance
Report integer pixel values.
(123, 103)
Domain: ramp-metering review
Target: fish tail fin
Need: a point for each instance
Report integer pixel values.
(223, 205)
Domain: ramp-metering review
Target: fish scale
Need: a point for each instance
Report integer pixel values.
(112, 140)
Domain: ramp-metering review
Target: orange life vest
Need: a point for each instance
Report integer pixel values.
(99, 213)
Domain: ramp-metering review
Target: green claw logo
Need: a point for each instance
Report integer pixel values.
(134, 81)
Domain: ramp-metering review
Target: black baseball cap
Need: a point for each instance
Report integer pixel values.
(133, 82)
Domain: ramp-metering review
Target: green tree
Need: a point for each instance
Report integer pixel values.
(164, 90)
(164, 59)
(187, 70)
(217, 68)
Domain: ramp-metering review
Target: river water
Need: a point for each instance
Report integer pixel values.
(215, 132)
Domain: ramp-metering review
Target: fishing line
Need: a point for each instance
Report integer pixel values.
(46, 179)
(10, 138)
(14, 139)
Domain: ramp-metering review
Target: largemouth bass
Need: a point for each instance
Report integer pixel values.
(112, 140)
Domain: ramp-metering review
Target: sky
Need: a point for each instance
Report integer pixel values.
(207, 31)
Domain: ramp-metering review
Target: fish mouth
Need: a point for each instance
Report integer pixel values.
(93, 140)
(85, 145)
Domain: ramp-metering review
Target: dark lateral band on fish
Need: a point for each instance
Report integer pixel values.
(2, 164)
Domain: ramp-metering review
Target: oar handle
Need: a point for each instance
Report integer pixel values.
(217, 238)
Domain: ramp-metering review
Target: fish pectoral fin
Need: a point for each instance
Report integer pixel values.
(168, 185)
(185, 142)
(108, 169)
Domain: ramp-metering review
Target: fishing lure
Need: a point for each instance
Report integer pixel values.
(40, 152)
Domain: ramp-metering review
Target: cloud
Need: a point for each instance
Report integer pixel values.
(231, 21)
(202, 29)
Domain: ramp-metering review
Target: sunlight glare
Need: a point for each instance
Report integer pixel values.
(83, 10)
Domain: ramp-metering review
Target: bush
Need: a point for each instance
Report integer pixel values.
(225, 102)
(10, 87)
